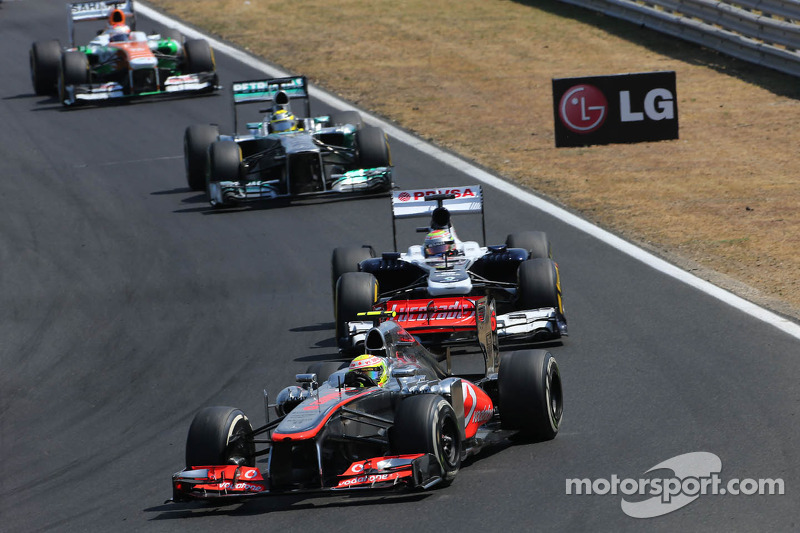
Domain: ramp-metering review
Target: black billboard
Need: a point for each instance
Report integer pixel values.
(621, 108)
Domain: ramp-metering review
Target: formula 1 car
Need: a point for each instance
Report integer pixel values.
(338, 430)
(120, 62)
(326, 155)
(433, 295)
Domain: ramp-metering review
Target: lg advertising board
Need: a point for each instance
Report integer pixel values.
(622, 108)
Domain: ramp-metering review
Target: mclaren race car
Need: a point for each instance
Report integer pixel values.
(394, 418)
(286, 155)
(120, 62)
(433, 287)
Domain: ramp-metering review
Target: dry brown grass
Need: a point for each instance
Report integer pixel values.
(721, 200)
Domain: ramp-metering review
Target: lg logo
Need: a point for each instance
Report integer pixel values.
(584, 108)
(658, 105)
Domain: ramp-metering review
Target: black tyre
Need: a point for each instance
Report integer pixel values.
(530, 395)
(347, 117)
(535, 242)
(428, 424)
(220, 436)
(45, 60)
(224, 161)
(199, 56)
(324, 369)
(196, 142)
(74, 71)
(346, 259)
(172, 33)
(538, 285)
(373, 148)
(75, 68)
(356, 292)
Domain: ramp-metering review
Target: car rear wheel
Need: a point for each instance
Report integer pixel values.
(356, 292)
(196, 142)
(45, 60)
(199, 56)
(220, 436)
(535, 242)
(428, 424)
(342, 118)
(347, 259)
(373, 148)
(538, 285)
(530, 395)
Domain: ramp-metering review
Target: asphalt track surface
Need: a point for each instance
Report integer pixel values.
(127, 304)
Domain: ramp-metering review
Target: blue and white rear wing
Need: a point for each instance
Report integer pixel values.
(415, 203)
(255, 91)
(245, 92)
(98, 10)
(421, 202)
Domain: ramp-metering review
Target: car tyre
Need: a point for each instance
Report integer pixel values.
(347, 259)
(196, 141)
(427, 423)
(536, 242)
(220, 436)
(356, 292)
(530, 397)
(538, 285)
(199, 56)
(45, 61)
(373, 148)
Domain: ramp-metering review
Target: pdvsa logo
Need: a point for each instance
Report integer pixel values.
(583, 108)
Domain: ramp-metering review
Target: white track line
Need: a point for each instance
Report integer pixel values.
(649, 259)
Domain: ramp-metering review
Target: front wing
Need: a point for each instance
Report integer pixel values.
(363, 181)
(96, 92)
(233, 481)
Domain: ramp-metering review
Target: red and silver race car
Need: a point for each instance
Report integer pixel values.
(120, 62)
(408, 425)
(433, 287)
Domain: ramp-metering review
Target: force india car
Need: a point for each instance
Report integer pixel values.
(120, 62)
(339, 431)
(434, 297)
(334, 154)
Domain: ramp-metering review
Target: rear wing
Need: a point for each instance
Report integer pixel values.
(414, 203)
(256, 91)
(97, 10)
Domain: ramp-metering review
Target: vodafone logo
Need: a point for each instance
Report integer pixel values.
(583, 108)
(404, 196)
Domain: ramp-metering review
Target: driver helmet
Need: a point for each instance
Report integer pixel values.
(371, 366)
(282, 120)
(438, 242)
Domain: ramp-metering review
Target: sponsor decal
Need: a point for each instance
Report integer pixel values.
(583, 108)
(693, 474)
(621, 108)
(479, 417)
(456, 311)
(265, 85)
(227, 485)
(374, 478)
(88, 6)
(404, 196)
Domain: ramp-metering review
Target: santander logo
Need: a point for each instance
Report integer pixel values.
(583, 108)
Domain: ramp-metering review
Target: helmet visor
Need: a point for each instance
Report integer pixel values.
(375, 373)
(282, 125)
(436, 249)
